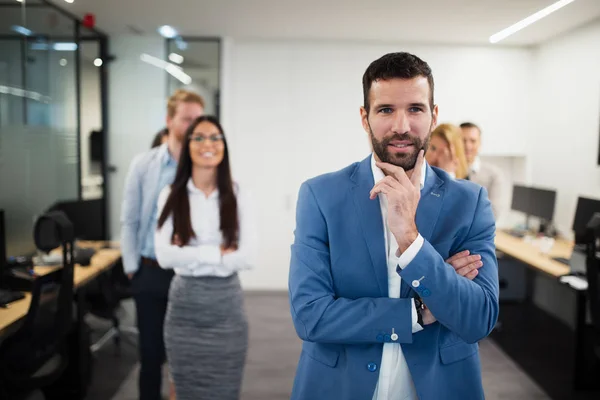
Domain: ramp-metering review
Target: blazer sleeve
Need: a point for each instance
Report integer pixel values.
(468, 308)
(131, 208)
(319, 315)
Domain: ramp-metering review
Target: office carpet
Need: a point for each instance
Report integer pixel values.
(273, 353)
(112, 365)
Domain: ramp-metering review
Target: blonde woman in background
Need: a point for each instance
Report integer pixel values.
(446, 151)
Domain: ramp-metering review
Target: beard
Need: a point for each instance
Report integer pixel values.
(405, 161)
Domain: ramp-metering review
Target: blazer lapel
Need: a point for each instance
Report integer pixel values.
(369, 214)
(430, 204)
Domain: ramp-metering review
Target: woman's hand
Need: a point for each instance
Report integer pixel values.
(177, 240)
(228, 250)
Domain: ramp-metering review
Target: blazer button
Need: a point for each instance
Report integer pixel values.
(372, 367)
(380, 338)
(416, 283)
(387, 338)
(426, 293)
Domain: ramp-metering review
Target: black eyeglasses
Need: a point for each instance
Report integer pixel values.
(212, 138)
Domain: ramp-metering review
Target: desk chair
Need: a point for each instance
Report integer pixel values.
(503, 284)
(593, 278)
(104, 301)
(36, 356)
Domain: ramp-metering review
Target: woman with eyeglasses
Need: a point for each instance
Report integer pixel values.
(206, 234)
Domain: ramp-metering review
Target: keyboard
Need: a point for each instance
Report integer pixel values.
(9, 296)
(565, 261)
(83, 255)
(516, 233)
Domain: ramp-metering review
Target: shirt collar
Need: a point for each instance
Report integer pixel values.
(476, 164)
(379, 175)
(166, 157)
(194, 190)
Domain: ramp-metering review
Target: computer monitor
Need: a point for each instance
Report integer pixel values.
(18, 233)
(534, 202)
(87, 217)
(586, 208)
(520, 199)
(2, 242)
(541, 203)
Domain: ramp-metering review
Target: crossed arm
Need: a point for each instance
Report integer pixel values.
(321, 316)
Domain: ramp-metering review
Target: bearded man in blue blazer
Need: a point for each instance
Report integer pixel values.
(382, 310)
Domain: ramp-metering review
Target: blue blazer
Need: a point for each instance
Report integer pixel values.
(338, 288)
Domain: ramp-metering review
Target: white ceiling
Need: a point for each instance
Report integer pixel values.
(430, 21)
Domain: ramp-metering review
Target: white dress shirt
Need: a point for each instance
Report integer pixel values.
(395, 381)
(476, 166)
(202, 255)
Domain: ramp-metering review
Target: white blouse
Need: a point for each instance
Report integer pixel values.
(202, 255)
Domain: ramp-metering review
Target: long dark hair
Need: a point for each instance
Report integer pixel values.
(178, 202)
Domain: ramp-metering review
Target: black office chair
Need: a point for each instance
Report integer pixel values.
(593, 278)
(502, 284)
(103, 300)
(36, 356)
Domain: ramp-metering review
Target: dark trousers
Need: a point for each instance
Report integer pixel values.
(150, 287)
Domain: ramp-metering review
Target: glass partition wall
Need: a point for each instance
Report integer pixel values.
(52, 115)
(198, 62)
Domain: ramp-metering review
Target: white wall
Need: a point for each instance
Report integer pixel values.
(137, 109)
(563, 145)
(291, 112)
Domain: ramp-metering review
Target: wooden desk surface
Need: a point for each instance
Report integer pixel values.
(528, 253)
(14, 312)
(100, 262)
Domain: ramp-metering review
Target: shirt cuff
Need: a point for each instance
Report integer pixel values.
(416, 327)
(405, 258)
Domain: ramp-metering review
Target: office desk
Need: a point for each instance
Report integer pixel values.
(102, 261)
(531, 256)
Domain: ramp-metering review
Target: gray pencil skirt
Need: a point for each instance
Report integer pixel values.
(206, 337)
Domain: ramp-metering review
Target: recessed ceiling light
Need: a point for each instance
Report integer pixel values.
(503, 34)
(98, 62)
(63, 62)
(177, 73)
(167, 31)
(69, 1)
(22, 30)
(181, 44)
(172, 69)
(176, 58)
(65, 46)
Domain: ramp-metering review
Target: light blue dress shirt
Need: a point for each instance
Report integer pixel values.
(167, 175)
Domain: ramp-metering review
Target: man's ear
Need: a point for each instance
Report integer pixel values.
(434, 117)
(364, 119)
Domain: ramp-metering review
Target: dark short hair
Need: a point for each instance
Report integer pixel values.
(396, 66)
(467, 125)
(157, 141)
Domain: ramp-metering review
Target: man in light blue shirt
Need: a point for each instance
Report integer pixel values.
(148, 174)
